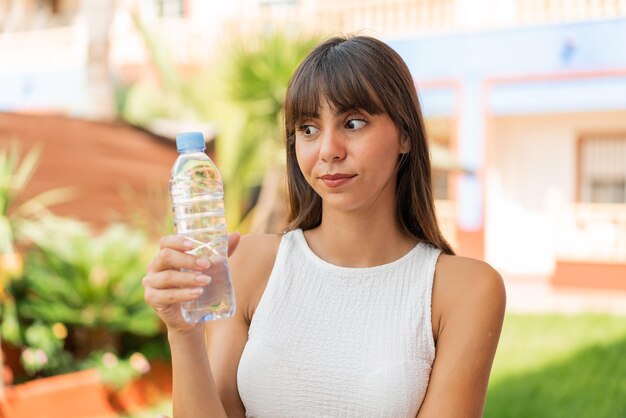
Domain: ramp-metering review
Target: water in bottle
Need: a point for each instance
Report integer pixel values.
(198, 206)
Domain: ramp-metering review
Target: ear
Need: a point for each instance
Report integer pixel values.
(405, 145)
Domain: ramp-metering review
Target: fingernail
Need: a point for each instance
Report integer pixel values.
(203, 262)
(203, 279)
(188, 244)
(196, 291)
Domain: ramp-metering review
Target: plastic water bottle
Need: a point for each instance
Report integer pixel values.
(197, 198)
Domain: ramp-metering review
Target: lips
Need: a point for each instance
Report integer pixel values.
(337, 176)
(337, 179)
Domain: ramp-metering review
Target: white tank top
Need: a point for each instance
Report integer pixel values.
(330, 341)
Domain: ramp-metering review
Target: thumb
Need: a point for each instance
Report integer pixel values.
(233, 242)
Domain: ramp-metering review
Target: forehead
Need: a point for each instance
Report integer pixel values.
(325, 106)
(340, 91)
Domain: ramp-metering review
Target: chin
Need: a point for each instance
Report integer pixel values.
(342, 203)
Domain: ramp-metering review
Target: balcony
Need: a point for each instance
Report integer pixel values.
(400, 18)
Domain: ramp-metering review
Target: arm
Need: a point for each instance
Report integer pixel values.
(194, 389)
(250, 267)
(165, 287)
(468, 310)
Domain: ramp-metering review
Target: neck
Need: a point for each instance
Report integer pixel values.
(365, 240)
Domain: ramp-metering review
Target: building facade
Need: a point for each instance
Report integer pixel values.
(540, 121)
(529, 98)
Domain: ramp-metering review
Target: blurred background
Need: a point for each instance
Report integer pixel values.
(525, 105)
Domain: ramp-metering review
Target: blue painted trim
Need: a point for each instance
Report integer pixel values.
(439, 102)
(557, 49)
(53, 89)
(595, 45)
(593, 94)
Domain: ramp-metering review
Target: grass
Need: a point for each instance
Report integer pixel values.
(548, 366)
(559, 366)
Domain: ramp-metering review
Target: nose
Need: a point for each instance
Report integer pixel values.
(332, 147)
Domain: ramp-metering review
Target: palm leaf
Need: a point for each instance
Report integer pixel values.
(26, 168)
(257, 78)
(16, 171)
(41, 202)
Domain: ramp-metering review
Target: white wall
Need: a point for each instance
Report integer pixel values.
(531, 168)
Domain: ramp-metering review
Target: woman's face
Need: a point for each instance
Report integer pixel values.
(349, 158)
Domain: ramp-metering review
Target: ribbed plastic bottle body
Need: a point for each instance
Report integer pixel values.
(198, 207)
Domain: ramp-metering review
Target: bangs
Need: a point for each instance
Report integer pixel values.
(334, 77)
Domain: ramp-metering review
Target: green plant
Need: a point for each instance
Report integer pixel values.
(116, 371)
(178, 96)
(241, 92)
(86, 281)
(44, 349)
(256, 79)
(16, 213)
(90, 286)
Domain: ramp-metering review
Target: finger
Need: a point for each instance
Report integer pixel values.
(233, 242)
(177, 242)
(183, 244)
(170, 259)
(170, 279)
(160, 298)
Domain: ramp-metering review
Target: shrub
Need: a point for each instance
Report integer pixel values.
(80, 301)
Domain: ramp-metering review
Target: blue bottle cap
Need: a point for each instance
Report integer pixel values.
(190, 140)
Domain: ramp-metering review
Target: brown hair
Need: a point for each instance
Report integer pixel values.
(364, 73)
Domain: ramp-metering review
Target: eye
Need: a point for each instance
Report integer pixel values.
(354, 124)
(308, 130)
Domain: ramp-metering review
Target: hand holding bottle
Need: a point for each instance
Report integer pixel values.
(166, 286)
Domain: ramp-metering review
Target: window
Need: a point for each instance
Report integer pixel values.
(603, 169)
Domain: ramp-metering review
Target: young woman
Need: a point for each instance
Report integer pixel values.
(361, 309)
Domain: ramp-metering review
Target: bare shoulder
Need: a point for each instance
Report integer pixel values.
(257, 248)
(466, 273)
(460, 276)
(465, 286)
(251, 265)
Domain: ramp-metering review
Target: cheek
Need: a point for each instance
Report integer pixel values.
(306, 157)
(378, 156)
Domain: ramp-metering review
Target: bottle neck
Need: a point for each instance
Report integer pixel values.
(191, 151)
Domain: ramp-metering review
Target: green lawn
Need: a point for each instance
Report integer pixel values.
(559, 366)
(550, 366)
